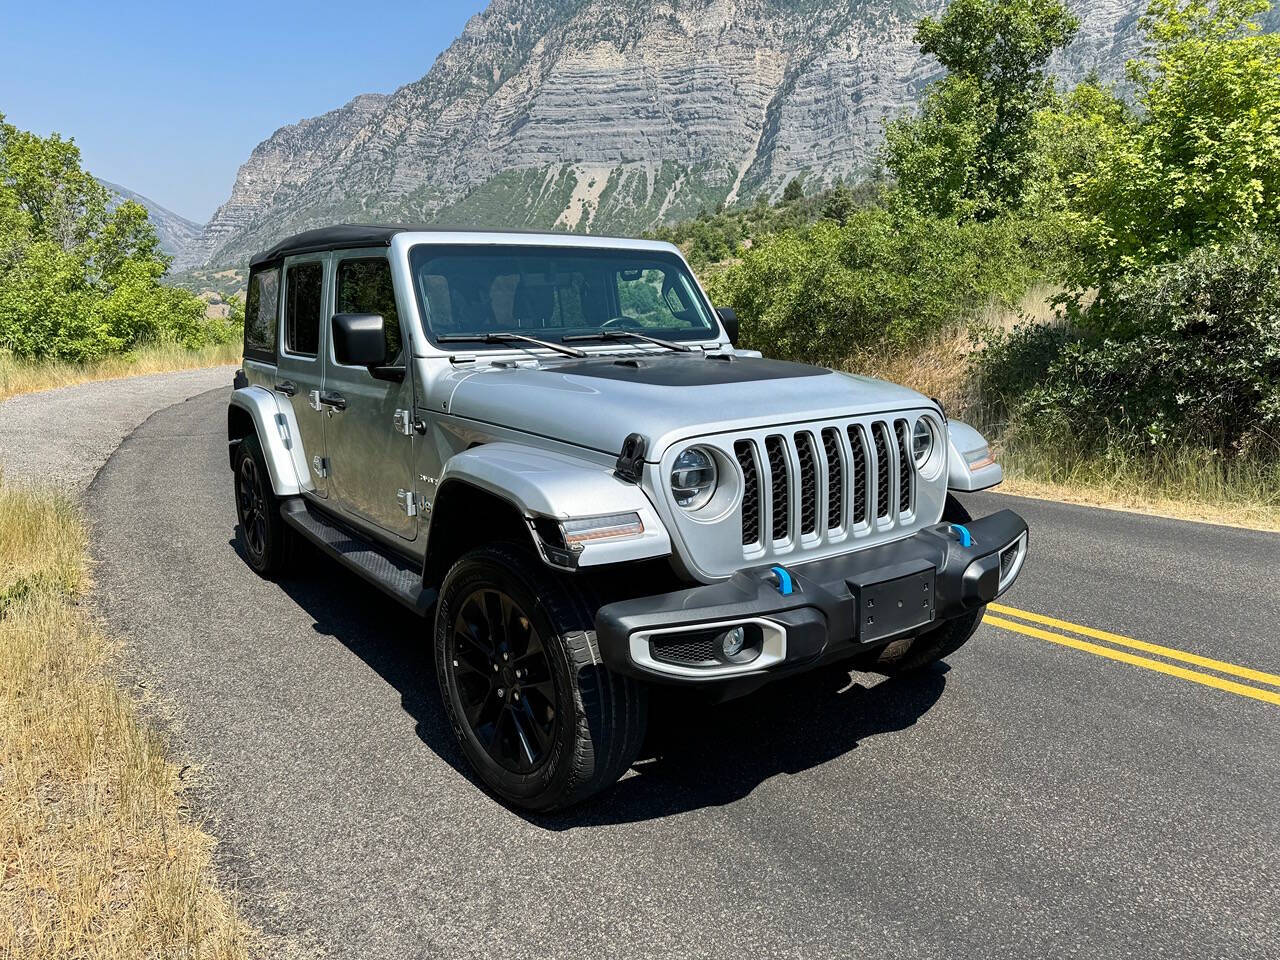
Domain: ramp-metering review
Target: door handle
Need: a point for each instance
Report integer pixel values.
(333, 399)
(287, 387)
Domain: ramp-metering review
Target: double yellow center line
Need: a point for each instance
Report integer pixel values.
(1068, 635)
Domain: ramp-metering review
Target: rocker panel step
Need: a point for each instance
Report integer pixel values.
(394, 576)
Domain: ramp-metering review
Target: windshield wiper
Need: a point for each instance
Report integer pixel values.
(509, 338)
(629, 334)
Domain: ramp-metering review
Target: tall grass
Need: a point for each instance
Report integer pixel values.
(23, 376)
(98, 856)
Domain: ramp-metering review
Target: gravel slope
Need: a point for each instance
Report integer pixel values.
(64, 436)
(1022, 800)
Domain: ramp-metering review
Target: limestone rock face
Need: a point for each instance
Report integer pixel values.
(612, 115)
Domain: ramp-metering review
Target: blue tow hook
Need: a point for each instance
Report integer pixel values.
(785, 586)
(962, 533)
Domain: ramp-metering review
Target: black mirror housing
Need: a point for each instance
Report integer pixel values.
(359, 339)
(730, 321)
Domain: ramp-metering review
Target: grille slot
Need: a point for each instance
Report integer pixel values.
(685, 651)
(1007, 558)
(878, 432)
(905, 476)
(808, 458)
(780, 500)
(744, 450)
(835, 478)
(858, 444)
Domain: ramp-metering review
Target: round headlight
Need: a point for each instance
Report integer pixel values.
(922, 441)
(693, 478)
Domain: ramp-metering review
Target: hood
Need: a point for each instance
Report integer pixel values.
(597, 402)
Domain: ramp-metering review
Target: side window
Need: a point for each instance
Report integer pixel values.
(364, 286)
(261, 308)
(304, 290)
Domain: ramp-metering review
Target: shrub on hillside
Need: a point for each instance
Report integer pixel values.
(888, 276)
(1190, 357)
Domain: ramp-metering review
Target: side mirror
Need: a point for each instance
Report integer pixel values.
(359, 339)
(730, 321)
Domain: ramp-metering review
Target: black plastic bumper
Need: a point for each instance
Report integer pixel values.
(836, 607)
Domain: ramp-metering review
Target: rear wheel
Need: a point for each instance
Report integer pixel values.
(913, 653)
(263, 534)
(541, 719)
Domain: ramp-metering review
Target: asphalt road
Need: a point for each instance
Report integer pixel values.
(1026, 799)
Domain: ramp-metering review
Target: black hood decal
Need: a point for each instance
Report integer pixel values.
(685, 370)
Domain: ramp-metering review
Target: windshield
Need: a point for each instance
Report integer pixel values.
(556, 292)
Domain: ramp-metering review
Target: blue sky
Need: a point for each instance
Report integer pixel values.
(169, 99)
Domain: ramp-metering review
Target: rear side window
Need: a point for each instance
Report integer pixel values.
(364, 286)
(261, 308)
(304, 289)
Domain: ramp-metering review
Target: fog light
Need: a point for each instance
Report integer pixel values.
(732, 642)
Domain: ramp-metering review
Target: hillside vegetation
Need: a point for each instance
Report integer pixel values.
(1151, 225)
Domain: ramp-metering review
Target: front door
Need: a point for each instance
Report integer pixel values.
(371, 441)
(299, 370)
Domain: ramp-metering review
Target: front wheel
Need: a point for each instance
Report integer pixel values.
(540, 718)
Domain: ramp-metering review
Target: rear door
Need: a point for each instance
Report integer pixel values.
(371, 441)
(299, 369)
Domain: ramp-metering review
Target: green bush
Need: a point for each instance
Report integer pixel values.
(888, 276)
(1190, 358)
(79, 281)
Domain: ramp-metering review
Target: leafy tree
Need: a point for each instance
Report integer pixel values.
(78, 280)
(793, 191)
(1202, 163)
(970, 151)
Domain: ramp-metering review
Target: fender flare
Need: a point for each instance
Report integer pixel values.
(544, 483)
(970, 463)
(278, 434)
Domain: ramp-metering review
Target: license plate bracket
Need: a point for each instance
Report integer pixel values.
(895, 606)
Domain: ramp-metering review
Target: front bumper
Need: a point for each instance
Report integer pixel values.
(834, 608)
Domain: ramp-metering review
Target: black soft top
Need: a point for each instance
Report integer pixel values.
(344, 236)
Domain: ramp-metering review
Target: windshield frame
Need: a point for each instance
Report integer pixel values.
(420, 251)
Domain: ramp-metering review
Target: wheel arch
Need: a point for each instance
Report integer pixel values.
(256, 410)
(464, 515)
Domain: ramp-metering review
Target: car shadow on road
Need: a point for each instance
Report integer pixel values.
(697, 754)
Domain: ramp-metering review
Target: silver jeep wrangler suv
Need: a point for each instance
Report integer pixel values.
(549, 445)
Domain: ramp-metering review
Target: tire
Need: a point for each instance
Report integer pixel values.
(543, 722)
(914, 653)
(265, 539)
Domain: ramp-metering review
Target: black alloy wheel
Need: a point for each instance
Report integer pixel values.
(504, 681)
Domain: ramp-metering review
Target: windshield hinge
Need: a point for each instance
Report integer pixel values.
(462, 358)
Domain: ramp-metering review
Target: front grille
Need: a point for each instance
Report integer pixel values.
(829, 474)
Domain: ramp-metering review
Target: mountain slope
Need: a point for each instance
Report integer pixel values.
(178, 236)
(610, 115)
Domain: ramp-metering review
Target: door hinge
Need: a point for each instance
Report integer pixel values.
(313, 400)
(407, 502)
(320, 466)
(403, 420)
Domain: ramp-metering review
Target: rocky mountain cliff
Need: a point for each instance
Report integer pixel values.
(611, 115)
(178, 236)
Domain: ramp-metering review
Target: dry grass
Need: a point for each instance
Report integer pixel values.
(19, 376)
(98, 855)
